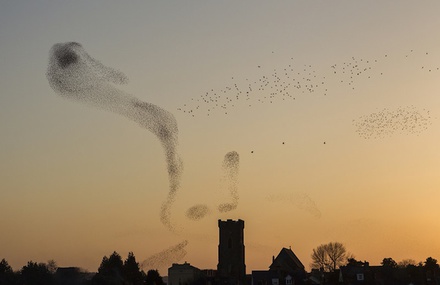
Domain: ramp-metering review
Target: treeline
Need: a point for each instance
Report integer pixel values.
(389, 272)
(333, 265)
(331, 256)
(112, 271)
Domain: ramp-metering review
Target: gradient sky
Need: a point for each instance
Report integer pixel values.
(77, 183)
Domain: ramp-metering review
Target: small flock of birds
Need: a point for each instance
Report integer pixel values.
(355, 68)
(386, 122)
(283, 84)
(300, 200)
(166, 257)
(279, 84)
(197, 212)
(230, 167)
(292, 80)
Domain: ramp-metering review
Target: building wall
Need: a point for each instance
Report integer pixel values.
(231, 251)
(183, 274)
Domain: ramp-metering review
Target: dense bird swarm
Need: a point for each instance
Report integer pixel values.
(230, 167)
(405, 120)
(75, 75)
(197, 212)
(231, 164)
(166, 257)
(297, 80)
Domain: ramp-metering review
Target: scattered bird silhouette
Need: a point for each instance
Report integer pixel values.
(292, 81)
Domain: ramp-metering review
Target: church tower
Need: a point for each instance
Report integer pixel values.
(231, 268)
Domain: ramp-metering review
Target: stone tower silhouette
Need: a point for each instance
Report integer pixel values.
(231, 268)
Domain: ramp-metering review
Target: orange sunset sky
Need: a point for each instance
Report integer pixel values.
(332, 106)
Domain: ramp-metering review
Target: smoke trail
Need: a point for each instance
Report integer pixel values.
(166, 257)
(75, 75)
(230, 167)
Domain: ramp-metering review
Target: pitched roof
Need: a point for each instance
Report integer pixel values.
(286, 260)
(186, 265)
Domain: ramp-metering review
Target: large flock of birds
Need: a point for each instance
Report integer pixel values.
(75, 75)
(295, 80)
